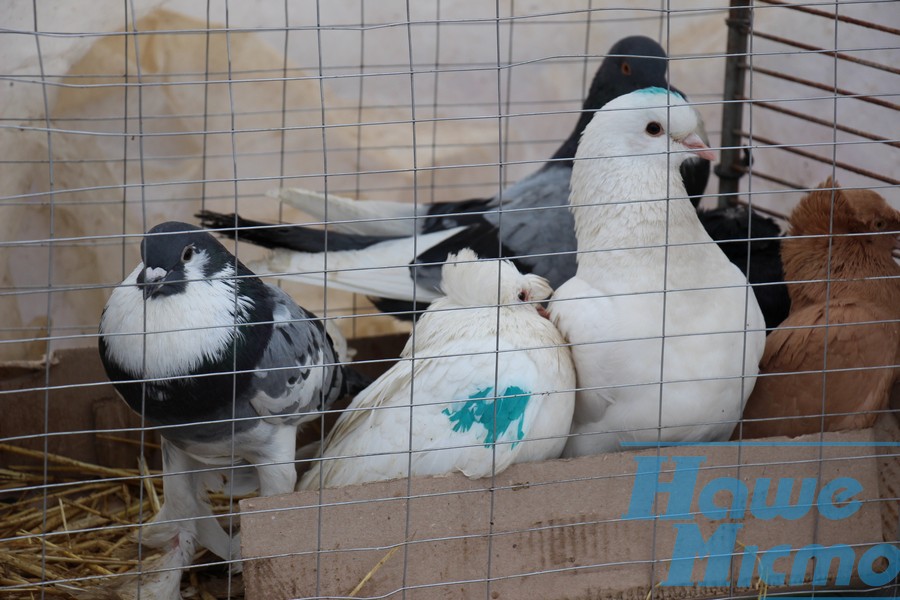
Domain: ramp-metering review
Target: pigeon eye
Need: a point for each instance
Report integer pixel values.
(880, 225)
(187, 254)
(654, 128)
(523, 296)
(626, 68)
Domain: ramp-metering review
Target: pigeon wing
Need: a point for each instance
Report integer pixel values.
(297, 373)
(456, 419)
(361, 217)
(860, 350)
(536, 227)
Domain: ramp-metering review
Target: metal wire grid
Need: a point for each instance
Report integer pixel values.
(230, 190)
(766, 59)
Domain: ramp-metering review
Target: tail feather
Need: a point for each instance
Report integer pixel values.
(404, 310)
(360, 217)
(354, 381)
(383, 217)
(293, 237)
(381, 269)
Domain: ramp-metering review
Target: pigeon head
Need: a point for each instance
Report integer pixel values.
(174, 254)
(872, 214)
(633, 63)
(820, 265)
(468, 281)
(651, 128)
(833, 209)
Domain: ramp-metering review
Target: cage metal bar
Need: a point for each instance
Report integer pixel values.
(806, 117)
(740, 24)
(231, 527)
(773, 179)
(501, 167)
(834, 16)
(832, 89)
(762, 209)
(824, 52)
(536, 18)
(824, 159)
(501, 181)
(45, 473)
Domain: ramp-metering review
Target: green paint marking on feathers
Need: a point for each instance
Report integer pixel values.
(658, 90)
(510, 409)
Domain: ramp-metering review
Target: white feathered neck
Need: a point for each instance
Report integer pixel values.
(182, 330)
(627, 191)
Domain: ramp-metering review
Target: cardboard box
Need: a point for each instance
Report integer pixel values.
(545, 530)
(557, 529)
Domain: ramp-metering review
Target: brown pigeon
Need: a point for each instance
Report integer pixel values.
(845, 293)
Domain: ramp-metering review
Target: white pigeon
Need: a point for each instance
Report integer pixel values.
(490, 380)
(666, 334)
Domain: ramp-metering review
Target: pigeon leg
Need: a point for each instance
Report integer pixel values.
(179, 499)
(275, 461)
(186, 507)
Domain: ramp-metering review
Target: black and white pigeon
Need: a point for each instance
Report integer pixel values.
(528, 223)
(227, 366)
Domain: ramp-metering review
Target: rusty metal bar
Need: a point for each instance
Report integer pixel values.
(740, 23)
(833, 16)
(828, 88)
(824, 52)
(762, 209)
(778, 180)
(824, 123)
(822, 159)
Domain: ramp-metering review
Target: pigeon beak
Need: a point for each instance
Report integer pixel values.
(696, 145)
(151, 280)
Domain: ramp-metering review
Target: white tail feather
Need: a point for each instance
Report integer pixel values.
(361, 217)
(380, 270)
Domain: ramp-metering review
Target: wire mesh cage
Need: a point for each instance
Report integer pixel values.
(344, 151)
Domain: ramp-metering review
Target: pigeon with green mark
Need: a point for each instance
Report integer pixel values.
(484, 382)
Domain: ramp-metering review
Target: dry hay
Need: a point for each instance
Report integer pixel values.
(82, 533)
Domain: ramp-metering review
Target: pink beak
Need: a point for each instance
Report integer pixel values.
(696, 145)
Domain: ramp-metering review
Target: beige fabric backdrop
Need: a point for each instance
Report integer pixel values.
(162, 172)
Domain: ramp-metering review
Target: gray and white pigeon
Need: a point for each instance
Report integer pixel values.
(666, 334)
(528, 223)
(225, 365)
